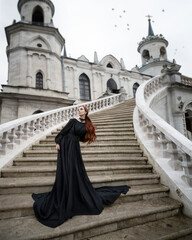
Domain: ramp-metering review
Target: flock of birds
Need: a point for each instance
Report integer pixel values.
(122, 14)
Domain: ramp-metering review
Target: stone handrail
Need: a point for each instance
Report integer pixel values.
(15, 132)
(186, 80)
(170, 142)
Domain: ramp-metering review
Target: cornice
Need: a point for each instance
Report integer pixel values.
(151, 39)
(21, 26)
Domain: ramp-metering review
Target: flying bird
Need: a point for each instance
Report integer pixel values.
(113, 9)
(163, 10)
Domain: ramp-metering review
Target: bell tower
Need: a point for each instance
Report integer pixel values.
(34, 47)
(36, 12)
(153, 50)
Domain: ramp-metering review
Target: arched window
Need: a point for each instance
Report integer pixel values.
(188, 121)
(109, 65)
(38, 17)
(112, 85)
(84, 86)
(135, 86)
(38, 111)
(39, 80)
(145, 54)
(162, 51)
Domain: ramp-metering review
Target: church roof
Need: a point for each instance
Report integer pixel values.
(150, 29)
(151, 36)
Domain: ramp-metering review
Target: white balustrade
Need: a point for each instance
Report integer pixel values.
(15, 132)
(186, 80)
(171, 143)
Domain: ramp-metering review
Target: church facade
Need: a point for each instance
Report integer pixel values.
(40, 79)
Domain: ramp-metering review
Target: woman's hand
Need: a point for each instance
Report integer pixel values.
(57, 147)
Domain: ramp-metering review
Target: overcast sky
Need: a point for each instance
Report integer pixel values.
(113, 27)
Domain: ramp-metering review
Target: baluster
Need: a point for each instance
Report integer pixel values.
(76, 112)
(175, 163)
(149, 130)
(43, 124)
(47, 121)
(163, 145)
(96, 106)
(65, 115)
(108, 102)
(155, 137)
(69, 114)
(31, 128)
(144, 124)
(4, 141)
(37, 126)
(187, 167)
(62, 116)
(12, 136)
(58, 117)
(99, 102)
(19, 134)
(54, 118)
(105, 103)
(51, 120)
(25, 131)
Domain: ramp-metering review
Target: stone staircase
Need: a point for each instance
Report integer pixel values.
(114, 159)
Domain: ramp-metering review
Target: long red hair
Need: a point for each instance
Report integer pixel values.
(90, 136)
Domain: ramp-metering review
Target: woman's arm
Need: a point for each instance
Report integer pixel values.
(64, 131)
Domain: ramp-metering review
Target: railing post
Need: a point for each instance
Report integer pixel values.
(175, 163)
(25, 131)
(187, 166)
(4, 141)
(19, 134)
(12, 137)
(163, 145)
(31, 128)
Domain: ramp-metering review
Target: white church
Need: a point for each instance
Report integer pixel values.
(144, 129)
(41, 79)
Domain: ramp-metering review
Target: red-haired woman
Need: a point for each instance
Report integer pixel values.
(72, 193)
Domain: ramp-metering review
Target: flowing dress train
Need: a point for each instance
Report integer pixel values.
(72, 193)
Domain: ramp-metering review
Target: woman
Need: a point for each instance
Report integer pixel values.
(72, 193)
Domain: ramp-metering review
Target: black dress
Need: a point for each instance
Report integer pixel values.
(72, 193)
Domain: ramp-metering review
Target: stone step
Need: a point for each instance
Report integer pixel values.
(128, 121)
(88, 161)
(33, 171)
(102, 134)
(171, 228)
(105, 137)
(120, 109)
(20, 205)
(44, 184)
(112, 218)
(117, 126)
(93, 146)
(112, 130)
(129, 152)
(113, 117)
(99, 140)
